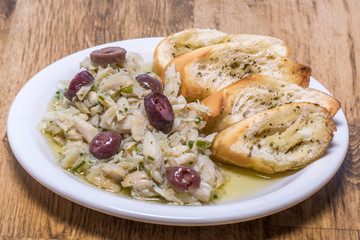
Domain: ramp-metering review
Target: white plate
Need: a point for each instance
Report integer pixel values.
(35, 155)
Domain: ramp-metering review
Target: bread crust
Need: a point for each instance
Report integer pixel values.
(221, 152)
(221, 103)
(187, 87)
(162, 47)
(157, 67)
(192, 90)
(229, 145)
(162, 52)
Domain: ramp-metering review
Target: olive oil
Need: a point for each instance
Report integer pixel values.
(55, 148)
(242, 183)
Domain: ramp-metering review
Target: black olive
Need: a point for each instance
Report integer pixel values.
(159, 111)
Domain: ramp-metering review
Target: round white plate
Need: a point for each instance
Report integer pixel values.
(34, 154)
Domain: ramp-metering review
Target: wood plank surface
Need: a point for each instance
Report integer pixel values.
(322, 34)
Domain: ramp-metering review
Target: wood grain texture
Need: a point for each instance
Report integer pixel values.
(322, 34)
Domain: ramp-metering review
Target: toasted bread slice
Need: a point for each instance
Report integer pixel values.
(182, 42)
(280, 139)
(209, 69)
(194, 38)
(255, 94)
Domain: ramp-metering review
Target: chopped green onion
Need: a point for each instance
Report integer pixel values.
(57, 95)
(202, 144)
(127, 89)
(197, 120)
(151, 158)
(134, 147)
(74, 170)
(215, 195)
(191, 144)
(126, 109)
(101, 98)
(166, 160)
(93, 88)
(148, 173)
(81, 154)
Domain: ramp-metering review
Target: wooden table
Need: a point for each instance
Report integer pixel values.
(322, 34)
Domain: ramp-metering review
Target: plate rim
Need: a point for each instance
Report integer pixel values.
(198, 218)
